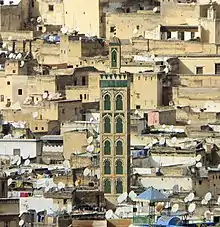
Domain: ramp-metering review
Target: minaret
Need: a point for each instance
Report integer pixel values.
(115, 127)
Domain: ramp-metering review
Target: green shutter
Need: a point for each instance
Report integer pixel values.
(119, 102)
(107, 102)
(107, 147)
(119, 186)
(107, 125)
(107, 186)
(114, 57)
(107, 167)
(119, 148)
(119, 125)
(119, 167)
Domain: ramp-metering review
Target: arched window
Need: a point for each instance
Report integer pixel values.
(114, 58)
(119, 186)
(119, 167)
(107, 102)
(107, 125)
(119, 102)
(107, 186)
(119, 125)
(119, 148)
(107, 147)
(107, 167)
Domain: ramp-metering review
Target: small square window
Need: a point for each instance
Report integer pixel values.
(50, 7)
(19, 91)
(8, 83)
(63, 111)
(13, 71)
(16, 152)
(199, 70)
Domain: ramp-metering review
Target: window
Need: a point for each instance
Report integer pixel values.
(50, 7)
(107, 125)
(199, 70)
(119, 167)
(13, 71)
(32, 3)
(138, 107)
(2, 98)
(83, 80)
(119, 148)
(119, 125)
(107, 147)
(85, 96)
(8, 83)
(119, 102)
(217, 68)
(63, 111)
(107, 186)
(16, 152)
(137, 27)
(114, 58)
(42, 128)
(168, 35)
(192, 35)
(36, 128)
(119, 186)
(19, 91)
(107, 167)
(107, 102)
(80, 96)
(181, 35)
(7, 224)
(65, 201)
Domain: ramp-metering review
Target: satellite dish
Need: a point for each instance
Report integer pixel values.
(90, 140)
(21, 222)
(35, 114)
(44, 29)
(61, 185)
(10, 48)
(136, 112)
(159, 207)
(204, 202)
(19, 162)
(86, 172)
(208, 196)
(9, 38)
(198, 157)
(175, 208)
(90, 148)
(109, 214)
(155, 9)
(189, 122)
(135, 31)
(19, 56)
(46, 189)
(162, 141)
(132, 195)
(11, 55)
(22, 64)
(173, 140)
(27, 162)
(218, 201)
(171, 127)
(4, 45)
(186, 200)
(166, 70)
(155, 141)
(66, 163)
(191, 197)
(208, 215)
(119, 212)
(39, 19)
(9, 181)
(163, 126)
(191, 207)
(45, 95)
(14, 56)
(64, 30)
(198, 164)
(122, 197)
